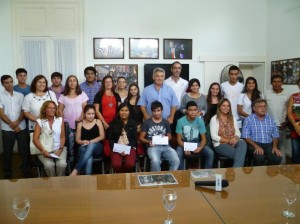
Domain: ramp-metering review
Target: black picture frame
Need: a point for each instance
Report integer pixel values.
(108, 48)
(288, 68)
(178, 49)
(148, 72)
(129, 71)
(143, 48)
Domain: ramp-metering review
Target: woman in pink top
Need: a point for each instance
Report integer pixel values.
(71, 104)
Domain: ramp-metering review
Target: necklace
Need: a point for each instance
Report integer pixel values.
(109, 101)
(41, 98)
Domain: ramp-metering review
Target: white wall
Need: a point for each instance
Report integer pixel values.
(217, 28)
(283, 34)
(6, 52)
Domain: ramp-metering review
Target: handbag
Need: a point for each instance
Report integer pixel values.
(45, 139)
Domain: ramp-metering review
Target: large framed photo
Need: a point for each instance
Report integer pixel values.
(143, 48)
(288, 68)
(178, 49)
(129, 71)
(108, 48)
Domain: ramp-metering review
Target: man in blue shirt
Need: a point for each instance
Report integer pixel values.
(189, 129)
(160, 92)
(22, 87)
(261, 134)
(91, 87)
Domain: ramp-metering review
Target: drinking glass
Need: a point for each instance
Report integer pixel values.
(169, 197)
(290, 194)
(21, 207)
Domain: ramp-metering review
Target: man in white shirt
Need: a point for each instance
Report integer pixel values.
(13, 127)
(179, 85)
(277, 99)
(232, 89)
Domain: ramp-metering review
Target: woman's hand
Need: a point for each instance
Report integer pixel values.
(85, 142)
(233, 141)
(105, 125)
(123, 153)
(46, 154)
(58, 152)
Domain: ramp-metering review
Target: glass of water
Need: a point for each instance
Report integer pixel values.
(169, 197)
(290, 194)
(21, 207)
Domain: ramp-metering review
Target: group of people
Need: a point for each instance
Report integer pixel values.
(233, 120)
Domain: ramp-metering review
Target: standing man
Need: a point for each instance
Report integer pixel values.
(90, 86)
(57, 87)
(160, 92)
(179, 86)
(232, 89)
(191, 128)
(22, 86)
(277, 99)
(261, 134)
(158, 126)
(13, 127)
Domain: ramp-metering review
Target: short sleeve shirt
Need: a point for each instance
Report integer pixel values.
(73, 107)
(151, 128)
(190, 131)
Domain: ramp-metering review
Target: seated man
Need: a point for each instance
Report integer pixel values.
(158, 126)
(189, 129)
(261, 134)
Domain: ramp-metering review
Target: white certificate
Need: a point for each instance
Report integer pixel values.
(160, 140)
(121, 148)
(53, 155)
(190, 146)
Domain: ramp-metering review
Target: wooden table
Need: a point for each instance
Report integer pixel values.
(114, 198)
(253, 196)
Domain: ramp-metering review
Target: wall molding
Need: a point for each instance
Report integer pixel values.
(218, 58)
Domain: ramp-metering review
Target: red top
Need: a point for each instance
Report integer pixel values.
(109, 108)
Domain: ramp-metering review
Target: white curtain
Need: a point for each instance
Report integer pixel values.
(65, 56)
(34, 57)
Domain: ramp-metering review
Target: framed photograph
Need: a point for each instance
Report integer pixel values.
(143, 48)
(129, 71)
(178, 48)
(288, 68)
(108, 48)
(148, 72)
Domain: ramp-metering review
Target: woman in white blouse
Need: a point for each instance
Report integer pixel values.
(49, 120)
(249, 95)
(225, 134)
(35, 99)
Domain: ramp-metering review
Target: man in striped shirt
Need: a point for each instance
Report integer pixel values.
(261, 134)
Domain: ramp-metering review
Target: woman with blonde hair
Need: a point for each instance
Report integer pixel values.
(225, 134)
(49, 120)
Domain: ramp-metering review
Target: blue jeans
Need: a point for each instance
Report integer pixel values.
(157, 152)
(86, 156)
(237, 152)
(8, 139)
(207, 152)
(295, 150)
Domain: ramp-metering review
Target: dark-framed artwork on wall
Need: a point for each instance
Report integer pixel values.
(178, 49)
(128, 71)
(289, 69)
(108, 48)
(143, 48)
